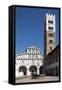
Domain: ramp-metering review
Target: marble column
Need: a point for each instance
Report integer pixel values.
(38, 71)
(28, 72)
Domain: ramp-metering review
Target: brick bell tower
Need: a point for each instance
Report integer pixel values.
(49, 34)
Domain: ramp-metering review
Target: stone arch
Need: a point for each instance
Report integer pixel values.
(41, 71)
(23, 69)
(33, 68)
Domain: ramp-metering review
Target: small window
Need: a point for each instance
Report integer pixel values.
(29, 50)
(50, 28)
(36, 50)
(33, 49)
(49, 21)
(36, 56)
(50, 48)
(50, 34)
(50, 41)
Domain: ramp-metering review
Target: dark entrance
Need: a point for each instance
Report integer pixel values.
(33, 69)
(23, 69)
(41, 70)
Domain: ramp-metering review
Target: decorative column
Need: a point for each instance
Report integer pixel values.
(28, 72)
(37, 70)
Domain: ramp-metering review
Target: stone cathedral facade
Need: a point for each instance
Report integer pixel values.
(30, 60)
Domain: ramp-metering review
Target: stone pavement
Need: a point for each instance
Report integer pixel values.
(41, 79)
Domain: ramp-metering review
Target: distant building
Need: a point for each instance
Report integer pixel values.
(30, 60)
(52, 62)
(49, 34)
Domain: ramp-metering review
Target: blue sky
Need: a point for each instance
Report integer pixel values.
(30, 27)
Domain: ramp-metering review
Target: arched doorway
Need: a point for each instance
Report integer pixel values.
(23, 69)
(41, 71)
(33, 69)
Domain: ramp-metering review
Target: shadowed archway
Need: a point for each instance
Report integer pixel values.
(33, 68)
(41, 70)
(23, 69)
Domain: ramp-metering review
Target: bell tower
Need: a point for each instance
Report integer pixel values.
(49, 34)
